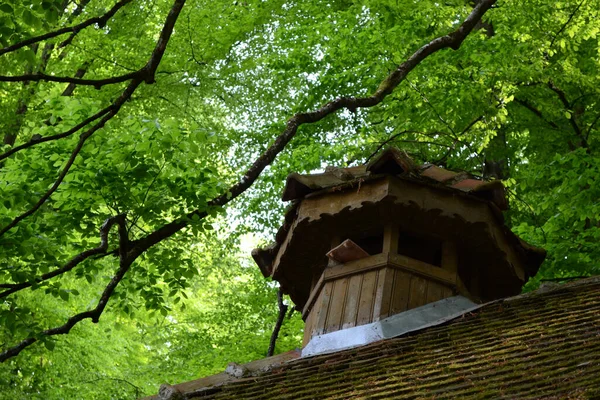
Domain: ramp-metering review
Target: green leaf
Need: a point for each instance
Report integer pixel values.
(29, 18)
(7, 8)
(49, 344)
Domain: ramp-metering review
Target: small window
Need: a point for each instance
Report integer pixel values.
(420, 247)
(371, 242)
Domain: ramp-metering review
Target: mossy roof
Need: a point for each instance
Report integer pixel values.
(545, 344)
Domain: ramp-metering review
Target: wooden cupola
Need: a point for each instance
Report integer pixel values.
(364, 243)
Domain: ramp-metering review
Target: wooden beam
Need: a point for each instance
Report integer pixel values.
(449, 256)
(422, 268)
(391, 233)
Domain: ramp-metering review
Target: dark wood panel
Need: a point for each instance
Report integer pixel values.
(383, 295)
(352, 299)
(400, 291)
(435, 292)
(367, 296)
(418, 292)
(336, 305)
(322, 308)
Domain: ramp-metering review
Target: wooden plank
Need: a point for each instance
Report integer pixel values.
(308, 327)
(446, 292)
(435, 292)
(351, 307)
(400, 291)
(335, 241)
(316, 291)
(418, 292)
(333, 202)
(322, 308)
(423, 269)
(449, 256)
(383, 295)
(390, 238)
(346, 252)
(367, 297)
(336, 306)
(354, 267)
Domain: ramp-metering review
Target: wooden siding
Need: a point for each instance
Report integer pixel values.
(368, 296)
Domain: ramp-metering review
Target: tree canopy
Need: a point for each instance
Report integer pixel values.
(146, 143)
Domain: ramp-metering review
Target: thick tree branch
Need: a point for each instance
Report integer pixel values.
(101, 21)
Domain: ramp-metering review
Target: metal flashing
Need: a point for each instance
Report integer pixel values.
(431, 314)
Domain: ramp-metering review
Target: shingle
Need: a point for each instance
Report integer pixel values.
(539, 345)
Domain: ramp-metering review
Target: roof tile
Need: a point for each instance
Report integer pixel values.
(539, 345)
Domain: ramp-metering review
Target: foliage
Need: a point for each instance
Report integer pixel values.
(517, 101)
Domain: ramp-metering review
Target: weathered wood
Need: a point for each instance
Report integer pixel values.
(313, 296)
(449, 256)
(383, 295)
(447, 292)
(418, 292)
(336, 305)
(352, 299)
(322, 309)
(347, 251)
(435, 292)
(308, 328)
(355, 267)
(390, 238)
(400, 291)
(331, 203)
(367, 297)
(422, 268)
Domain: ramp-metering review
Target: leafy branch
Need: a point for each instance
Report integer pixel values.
(75, 261)
(146, 74)
(101, 21)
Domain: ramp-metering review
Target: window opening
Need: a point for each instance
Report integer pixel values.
(420, 247)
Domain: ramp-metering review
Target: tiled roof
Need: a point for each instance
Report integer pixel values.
(542, 345)
(395, 162)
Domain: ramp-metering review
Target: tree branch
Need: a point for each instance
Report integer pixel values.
(35, 141)
(147, 73)
(563, 99)
(587, 135)
(567, 23)
(96, 312)
(75, 261)
(96, 83)
(101, 21)
(282, 310)
(82, 139)
(536, 112)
